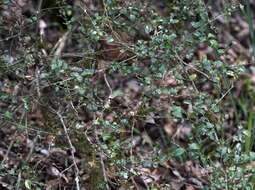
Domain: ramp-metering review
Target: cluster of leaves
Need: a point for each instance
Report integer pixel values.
(131, 42)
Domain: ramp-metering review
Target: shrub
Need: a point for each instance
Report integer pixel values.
(128, 71)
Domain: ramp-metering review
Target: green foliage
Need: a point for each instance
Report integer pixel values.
(159, 48)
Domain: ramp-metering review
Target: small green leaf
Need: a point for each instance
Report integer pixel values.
(87, 72)
(177, 111)
(116, 93)
(132, 17)
(78, 126)
(109, 39)
(11, 171)
(178, 152)
(194, 146)
(148, 29)
(214, 44)
(193, 76)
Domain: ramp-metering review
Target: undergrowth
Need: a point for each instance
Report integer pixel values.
(116, 72)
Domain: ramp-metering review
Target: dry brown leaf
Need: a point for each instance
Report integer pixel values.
(189, 187)
(176, 185)
(170, 128)
(115, 50)
(53, 183)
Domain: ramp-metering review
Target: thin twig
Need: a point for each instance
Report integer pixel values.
(134, 182)
(102, 163)
(72, 150)
(128, 59)
(8, 150)
(37, 74)
(59, 46)
(31, 149)
(18, 181)
(191, 66)
(38, 14)
(223, 96)
(186, 72)
(104, 172)
(132, 137)
(108, 85)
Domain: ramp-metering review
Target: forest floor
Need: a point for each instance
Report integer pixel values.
(51, 140)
